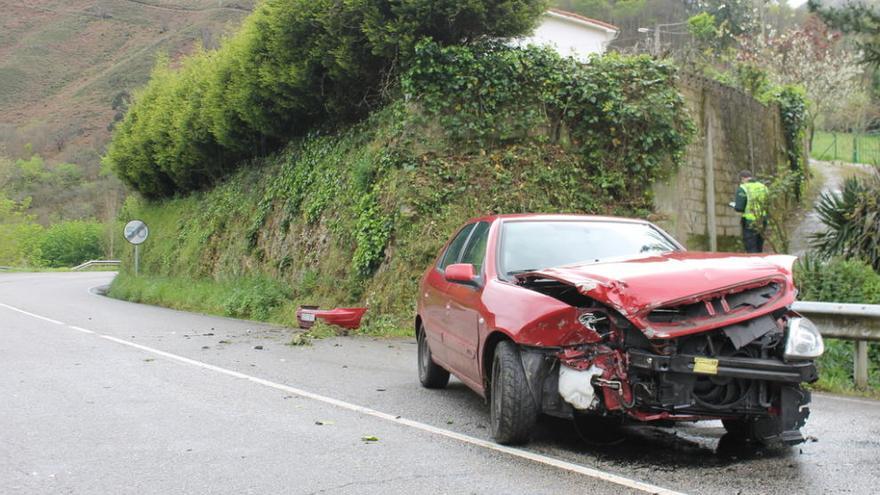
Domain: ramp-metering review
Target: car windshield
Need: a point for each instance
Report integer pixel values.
(532, 245)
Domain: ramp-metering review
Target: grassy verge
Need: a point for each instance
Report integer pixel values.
(252, 298)
(836, 369)
(831, 146)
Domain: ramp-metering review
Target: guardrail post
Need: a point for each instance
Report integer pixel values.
(861, 364)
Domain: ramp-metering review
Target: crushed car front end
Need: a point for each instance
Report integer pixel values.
(734, 352)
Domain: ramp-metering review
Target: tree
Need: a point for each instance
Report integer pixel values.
(733, 18)
(812, 56)
(858, 19)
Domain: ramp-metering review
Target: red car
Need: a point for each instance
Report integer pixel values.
(603, 319)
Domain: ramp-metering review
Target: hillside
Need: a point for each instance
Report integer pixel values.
(347, 219)
(352, 217)
(65, 65)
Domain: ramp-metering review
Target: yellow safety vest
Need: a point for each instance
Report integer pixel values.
(756, 200)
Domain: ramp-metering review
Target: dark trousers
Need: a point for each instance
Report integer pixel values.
(752, 238)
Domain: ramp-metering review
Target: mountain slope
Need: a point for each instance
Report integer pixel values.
(63, 62)
(65, 65)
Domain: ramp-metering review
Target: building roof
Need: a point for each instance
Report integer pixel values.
(583, 20)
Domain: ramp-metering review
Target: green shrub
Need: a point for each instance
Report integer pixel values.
(372, 231)
(852, 221)
(19, 234)
(71, 243)
(836, 280)
(623, 114)
(294, 65)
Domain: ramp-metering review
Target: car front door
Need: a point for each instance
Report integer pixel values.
(463, 314)
(435, 297)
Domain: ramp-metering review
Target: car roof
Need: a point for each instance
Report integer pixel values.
(555, 216)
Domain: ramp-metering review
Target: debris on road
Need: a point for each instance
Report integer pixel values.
(300, 339)
(349, 318)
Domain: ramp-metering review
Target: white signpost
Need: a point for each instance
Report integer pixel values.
(136, 232)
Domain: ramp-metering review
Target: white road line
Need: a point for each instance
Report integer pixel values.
(78, 329)
(522, 454)
(50, 320)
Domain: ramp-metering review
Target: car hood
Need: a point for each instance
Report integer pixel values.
(635, 286)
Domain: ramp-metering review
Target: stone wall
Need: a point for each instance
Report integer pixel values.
(734, 132)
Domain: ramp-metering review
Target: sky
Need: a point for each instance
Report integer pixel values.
(796, 3)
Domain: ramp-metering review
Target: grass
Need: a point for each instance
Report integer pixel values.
(836, 369)
(838, 146)
(253, 298)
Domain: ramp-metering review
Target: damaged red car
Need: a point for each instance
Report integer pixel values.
(605, 319)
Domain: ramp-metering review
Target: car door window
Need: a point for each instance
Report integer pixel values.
(454, 250)
(475, 251)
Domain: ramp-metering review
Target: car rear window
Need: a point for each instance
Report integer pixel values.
(532, 245)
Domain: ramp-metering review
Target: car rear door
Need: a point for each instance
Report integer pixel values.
(465, 303)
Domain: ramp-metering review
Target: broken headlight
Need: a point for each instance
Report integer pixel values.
(804, 340)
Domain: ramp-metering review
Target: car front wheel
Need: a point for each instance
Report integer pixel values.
(513, 412)
(431, 375)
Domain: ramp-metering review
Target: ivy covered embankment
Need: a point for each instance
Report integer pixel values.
(355, 216)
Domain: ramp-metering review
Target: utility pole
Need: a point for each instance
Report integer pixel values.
(657, 29)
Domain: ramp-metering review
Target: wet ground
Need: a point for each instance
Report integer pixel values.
(89, 414)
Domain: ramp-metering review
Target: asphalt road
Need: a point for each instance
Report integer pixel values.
(104, 396)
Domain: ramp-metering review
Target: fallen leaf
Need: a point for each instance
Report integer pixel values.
(369, 438)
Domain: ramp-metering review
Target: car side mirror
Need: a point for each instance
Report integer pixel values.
(461, 273)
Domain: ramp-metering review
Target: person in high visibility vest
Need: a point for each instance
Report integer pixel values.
(751, 200)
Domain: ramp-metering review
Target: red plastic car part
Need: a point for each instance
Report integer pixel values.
(349, 318)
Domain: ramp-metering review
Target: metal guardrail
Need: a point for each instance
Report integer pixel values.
(857, 322)
(89, 264)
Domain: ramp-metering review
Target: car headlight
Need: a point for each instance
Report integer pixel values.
(804, 340)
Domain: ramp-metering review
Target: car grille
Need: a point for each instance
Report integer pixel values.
(716, 305)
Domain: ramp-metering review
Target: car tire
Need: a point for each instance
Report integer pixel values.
(512, 409)
(431, 374)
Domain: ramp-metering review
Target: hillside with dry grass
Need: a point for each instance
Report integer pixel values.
(67, 70)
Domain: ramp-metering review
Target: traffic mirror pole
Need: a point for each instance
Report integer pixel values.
(136, 232)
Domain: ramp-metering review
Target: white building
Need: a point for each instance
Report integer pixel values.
(572, 35)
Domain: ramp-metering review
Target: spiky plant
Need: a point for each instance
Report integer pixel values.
(852, 221)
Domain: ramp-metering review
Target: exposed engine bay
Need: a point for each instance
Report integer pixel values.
(737, 372)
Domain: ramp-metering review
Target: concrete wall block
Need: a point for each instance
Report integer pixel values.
(734, 116)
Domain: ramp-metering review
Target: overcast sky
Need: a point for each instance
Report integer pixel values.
(796, 3)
